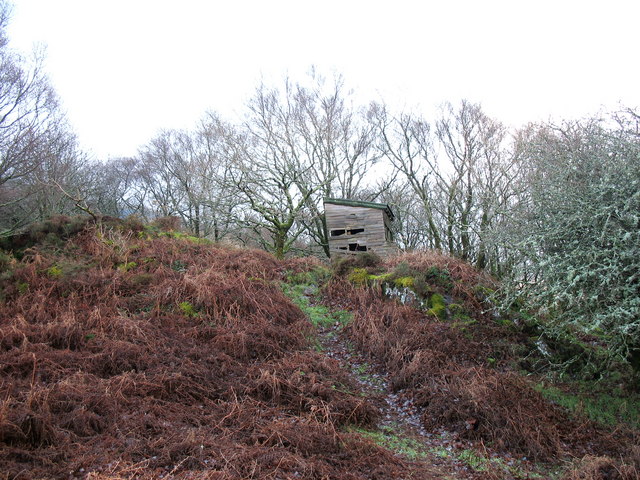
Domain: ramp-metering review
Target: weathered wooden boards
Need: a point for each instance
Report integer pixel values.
(356, 227)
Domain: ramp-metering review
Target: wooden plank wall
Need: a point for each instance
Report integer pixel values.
(346, 218)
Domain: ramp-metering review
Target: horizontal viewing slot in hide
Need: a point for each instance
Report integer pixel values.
(340, 232)
(354, 247)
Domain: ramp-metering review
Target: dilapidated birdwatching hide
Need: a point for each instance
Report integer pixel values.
(354, 227)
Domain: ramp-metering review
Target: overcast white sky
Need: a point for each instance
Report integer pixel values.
(125, 69)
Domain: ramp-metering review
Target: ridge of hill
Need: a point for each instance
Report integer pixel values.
(131, 352)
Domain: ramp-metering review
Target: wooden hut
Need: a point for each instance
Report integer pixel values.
(354, 227)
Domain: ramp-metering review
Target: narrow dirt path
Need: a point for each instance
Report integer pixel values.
(400, 418)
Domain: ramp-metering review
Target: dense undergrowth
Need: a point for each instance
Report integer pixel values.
(129, 351)
(462, 362)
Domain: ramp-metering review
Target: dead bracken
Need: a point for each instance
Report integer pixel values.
(126, 353)
(105, 373)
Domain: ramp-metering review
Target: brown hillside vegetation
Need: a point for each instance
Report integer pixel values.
(127, 352)
(125, 356)
(459, 367)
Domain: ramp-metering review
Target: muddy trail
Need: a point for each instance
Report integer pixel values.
(399, 427)
(441, 365)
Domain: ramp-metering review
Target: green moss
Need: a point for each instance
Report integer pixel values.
(187, 309)
(404, 282)
(54, 271)
(437, 306)
(359, 276)
(125, 267)
(383, 277)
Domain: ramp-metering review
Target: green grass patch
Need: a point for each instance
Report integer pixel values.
(479, 462)
(399, 444)
(316, 276)
(482, 463)
(319, 315)
(604, 408)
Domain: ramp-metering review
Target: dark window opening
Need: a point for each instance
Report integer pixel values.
(354, 247)
(342, 248)
(341, 231)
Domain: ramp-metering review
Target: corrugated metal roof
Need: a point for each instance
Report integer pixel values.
(359, 203)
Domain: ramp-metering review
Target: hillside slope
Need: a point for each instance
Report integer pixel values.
(427, 320)
(127, 352)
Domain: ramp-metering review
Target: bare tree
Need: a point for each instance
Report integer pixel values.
(213, 155)
(186, 173)
(268, 172)
(175, 177)
(459, 171)
(29, 120)
(337, 139)
(406, 141)
(408, 224)
(472, 144)
(115, 188)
